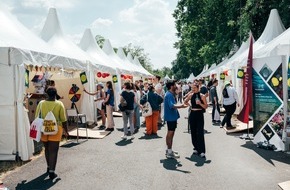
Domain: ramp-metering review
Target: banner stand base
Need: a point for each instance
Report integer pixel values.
(247, 137)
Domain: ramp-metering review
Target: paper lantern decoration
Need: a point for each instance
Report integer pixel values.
(124, 76)
(241, 73)
(115, 79)
(226, 73)
(83, 77)
(222, 76)
(107, 74)
(130, 76)
(99, 74)
(104, 75)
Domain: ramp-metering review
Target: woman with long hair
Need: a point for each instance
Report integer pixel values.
(109, 102)
(136, 117)
(51, 142)
(100, 96)
(196, 119)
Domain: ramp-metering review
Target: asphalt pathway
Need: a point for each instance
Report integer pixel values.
(112, 163)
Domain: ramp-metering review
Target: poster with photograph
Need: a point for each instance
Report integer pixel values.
(268, 103)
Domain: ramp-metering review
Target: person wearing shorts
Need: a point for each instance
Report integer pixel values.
(171, 116)
(51, 142)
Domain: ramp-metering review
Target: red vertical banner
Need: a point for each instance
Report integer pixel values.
(248, 90)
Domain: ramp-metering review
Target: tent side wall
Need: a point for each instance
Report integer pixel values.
(7, 107)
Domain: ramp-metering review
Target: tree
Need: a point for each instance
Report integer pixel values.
(209, 30)
(139, 52)
(100, 40)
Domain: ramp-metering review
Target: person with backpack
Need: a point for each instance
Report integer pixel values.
(230, 100)
(51, 142)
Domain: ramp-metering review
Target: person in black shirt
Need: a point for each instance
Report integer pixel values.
(196, 119)
(129, 97)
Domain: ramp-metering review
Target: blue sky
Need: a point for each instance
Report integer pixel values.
(147, 23)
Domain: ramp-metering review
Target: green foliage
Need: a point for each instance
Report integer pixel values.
(100, 40)
(139, 52)
(209, 30)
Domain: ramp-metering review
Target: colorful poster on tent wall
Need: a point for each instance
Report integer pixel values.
(26, 78)
(268, 105)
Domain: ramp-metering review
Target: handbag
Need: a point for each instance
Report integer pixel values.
(147, 109)
(35, 129)
(216, 115)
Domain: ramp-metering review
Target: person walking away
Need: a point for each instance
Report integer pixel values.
(196, 119)
(215, 101)
(230, 100)
(171, 115)
(51, 142)
(109, 102)
(159, 90)
(100, 96)
(127, 114)
(155, 100)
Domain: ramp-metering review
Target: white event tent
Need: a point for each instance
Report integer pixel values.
(20, 48)
(53, 35)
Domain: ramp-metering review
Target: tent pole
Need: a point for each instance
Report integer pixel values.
(15, 105)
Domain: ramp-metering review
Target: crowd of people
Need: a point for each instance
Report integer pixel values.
(164, 97)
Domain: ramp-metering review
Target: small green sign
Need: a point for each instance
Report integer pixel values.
(115, 79)
(83, 78)
(241, 73)
(222, 76)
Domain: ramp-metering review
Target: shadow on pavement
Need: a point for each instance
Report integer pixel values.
(124, 142)
(148, 137)
(69, 144)
(268, 155)
(172, 164)
(198, 160)
(39, 183)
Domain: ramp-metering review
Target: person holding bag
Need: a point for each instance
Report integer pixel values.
(128, 109)
(51, 142)
(155, 100)
(230, 100)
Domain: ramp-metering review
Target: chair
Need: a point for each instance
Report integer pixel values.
(80, 119)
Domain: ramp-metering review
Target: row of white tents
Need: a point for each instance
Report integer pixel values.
(20, 49)
(275, 40)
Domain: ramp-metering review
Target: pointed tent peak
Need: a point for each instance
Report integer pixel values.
(51, 26)
(107, 47)
(136, 61)
(274, 28)
(88, 41)
(130, 57)
(121, 53)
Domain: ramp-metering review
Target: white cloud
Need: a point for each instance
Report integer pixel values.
(64, 4)
(147, 11)
(76, 38)
(100, 22)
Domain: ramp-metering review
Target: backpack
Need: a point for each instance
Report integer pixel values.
(49, 126)
(225, 93)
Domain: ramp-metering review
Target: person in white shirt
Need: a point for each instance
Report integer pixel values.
(230, 100)
(160, 91)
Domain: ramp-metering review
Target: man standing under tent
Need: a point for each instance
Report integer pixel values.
(215, 101)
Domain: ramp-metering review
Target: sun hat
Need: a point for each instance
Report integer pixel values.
(100, 84)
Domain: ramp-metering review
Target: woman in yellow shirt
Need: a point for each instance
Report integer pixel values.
(51, 142)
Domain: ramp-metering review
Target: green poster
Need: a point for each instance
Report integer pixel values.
(83, 77)
(115, 79)
(26, 78)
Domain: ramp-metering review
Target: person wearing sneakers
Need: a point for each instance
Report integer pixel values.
(171, 116)
(196, 119)
(230, 100)
(129, 97)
